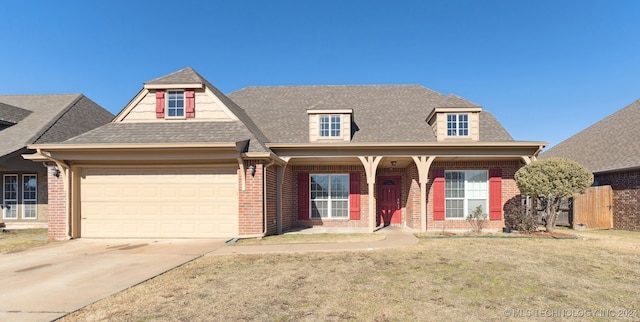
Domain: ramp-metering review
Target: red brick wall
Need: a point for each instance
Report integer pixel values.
(290, 198)
(410, 202)
(250, 201)
(272, 211)
(56, 209)
(509, 190)
(626, 198)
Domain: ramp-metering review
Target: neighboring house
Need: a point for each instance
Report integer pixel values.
(610, 149)
(36, 119)
(184, 160)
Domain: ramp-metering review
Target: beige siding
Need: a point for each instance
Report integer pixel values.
(314, 129)
(148, 203)
(440, 127)
(208, 108)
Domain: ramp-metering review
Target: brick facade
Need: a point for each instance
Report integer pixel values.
(56, 209)
(410, 202)
(626, 197)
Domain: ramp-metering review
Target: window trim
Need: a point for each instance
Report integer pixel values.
(34, 200)
(458, 128)
(168, 109)
(14, 202)
(329, 199)
(465, 199)
(334, 129)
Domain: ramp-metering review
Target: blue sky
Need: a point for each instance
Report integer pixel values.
(546, 69)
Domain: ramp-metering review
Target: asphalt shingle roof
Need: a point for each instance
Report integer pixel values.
(610, 144)
(160, 132)
(46, 119)
(382, 113)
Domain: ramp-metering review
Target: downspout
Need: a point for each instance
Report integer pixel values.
(66, 182)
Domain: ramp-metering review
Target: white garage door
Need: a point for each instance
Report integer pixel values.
(146, 203)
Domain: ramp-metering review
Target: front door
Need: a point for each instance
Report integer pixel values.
(389, 197)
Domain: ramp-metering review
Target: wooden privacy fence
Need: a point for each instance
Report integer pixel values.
(594, 208)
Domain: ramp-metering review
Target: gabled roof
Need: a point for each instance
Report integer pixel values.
(381, 113)
(186, 132)
(184, 76)
(11, 114)
(46, 118)
(608, 145)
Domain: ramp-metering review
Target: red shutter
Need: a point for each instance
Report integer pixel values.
(495, 194)
(190, 103)
(354, 196)
(160, 103)
(303, 196)
(438, 194)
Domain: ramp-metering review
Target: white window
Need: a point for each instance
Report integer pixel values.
(29, 196)
(329, 196)
(330, 125)
(10, 196)
(175, 104)
(457, 125)
(464, 191)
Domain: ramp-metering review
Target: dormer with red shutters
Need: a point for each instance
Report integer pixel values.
(180, 96)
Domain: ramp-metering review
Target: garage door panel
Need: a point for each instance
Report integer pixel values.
(135, 203)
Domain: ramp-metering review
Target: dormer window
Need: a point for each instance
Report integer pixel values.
(330, 125)
(457, 124)
(175, 104)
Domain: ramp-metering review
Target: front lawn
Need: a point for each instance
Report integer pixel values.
(592, 277)
(19, 239)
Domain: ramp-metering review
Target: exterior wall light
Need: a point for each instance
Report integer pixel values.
(393, 163)
(252, 170)
(55, 171)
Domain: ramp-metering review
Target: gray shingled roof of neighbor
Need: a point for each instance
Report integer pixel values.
(608, 145)
(46, 119)
(381, 113)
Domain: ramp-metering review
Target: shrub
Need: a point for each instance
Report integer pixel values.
(517, 217)
(476, 219)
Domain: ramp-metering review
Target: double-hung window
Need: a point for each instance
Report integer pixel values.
(29, 196)
(464, 191)
(329, 196)
(457, 124)
(10, 196)
(175, 104)
(330, 125)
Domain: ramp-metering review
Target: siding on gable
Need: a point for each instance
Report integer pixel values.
(206, 108)
(314, 129)
(440, 127)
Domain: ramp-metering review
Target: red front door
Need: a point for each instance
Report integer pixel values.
(389, 198)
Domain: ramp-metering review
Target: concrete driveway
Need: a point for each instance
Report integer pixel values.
(45, 283)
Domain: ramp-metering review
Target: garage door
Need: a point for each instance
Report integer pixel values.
(145, 203)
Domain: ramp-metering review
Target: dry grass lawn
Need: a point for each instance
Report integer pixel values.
(438, 279)
(311, 238)
(19, 239)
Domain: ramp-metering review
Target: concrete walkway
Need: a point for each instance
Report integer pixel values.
(395, 237)
(48, 282)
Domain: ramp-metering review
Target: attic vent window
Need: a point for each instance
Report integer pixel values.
(457, 124)
(175, 103)
(330, 125)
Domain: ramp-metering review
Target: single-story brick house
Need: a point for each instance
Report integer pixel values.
(610, 149)
(184, 160)
(35, 119)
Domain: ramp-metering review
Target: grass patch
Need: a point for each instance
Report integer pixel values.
(20, 239)
(437, 279)
(310, 239)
